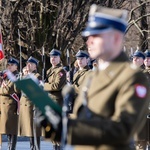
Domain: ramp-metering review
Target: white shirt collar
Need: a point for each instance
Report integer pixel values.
(103, 66)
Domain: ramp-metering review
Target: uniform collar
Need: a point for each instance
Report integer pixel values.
(58, 65)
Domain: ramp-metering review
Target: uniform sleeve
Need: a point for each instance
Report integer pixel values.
(58, 83)
(130, 108)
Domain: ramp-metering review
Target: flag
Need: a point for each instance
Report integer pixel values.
(1, 47)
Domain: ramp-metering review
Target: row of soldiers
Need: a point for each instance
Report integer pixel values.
(17, 117)
(19, 120)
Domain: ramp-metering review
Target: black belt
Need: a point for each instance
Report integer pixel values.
(5, 95)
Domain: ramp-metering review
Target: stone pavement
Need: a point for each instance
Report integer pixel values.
(25, 145)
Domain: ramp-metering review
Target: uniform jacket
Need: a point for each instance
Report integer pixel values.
(113, 110)
(9, 117)
(56, 79)
(25, 127)
(79, 77)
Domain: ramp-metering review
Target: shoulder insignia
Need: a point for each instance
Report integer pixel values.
(61, 74)
(140, 90)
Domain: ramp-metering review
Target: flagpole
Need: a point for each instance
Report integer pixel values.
(20, 54)
(2, 48)
(2, 67)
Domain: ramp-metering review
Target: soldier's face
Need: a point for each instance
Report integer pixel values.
(54, 60)
(31, 67)
(147, 61)
(25, 71)
(138, 61)
(12, 67)
(101, 45)
(82, 61)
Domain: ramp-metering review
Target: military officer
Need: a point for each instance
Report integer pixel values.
(3, 63)
(147, 60)
(9, 105)
(56, 79)
(112, 100)
(141, 137)
(82, 58)
(82, 61)
(27, 109)
(138, 59)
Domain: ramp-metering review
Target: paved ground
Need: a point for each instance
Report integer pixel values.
(24, 145)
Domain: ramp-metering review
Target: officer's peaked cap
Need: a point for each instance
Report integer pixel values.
(138, 53)
(147, 53)
(33, 60)
(82, 53)
(13, 61)
(102, 19)
(55, 52)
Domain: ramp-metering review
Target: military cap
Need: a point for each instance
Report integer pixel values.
(82, 53)
(147, 53)
(103, 19)
(33, 60)
(13, 61)
(55, 52)
(138, 53)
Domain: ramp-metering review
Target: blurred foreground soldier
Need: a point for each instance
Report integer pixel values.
(9, 106)
(55, 81)
(27, 109)
(112, 100)
(138, 59)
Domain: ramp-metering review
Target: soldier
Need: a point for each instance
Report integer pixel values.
(82, 61)
(147, 61)
(143, 138)
(3, 63)
(138, 59)
(27, 109)
(56, 79)
(140, 137)
(112, 100)
(9, 105)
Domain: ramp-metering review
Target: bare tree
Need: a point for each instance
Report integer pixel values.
(55, 24)
(137, 33)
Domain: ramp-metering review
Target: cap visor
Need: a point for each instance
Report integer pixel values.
(88, 32)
